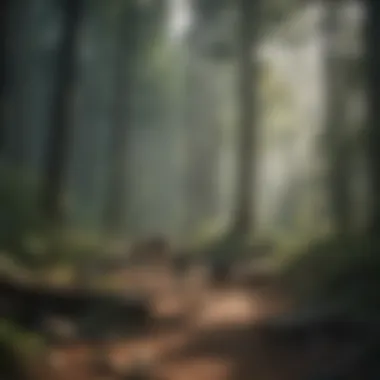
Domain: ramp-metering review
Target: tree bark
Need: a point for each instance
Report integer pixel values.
(4, 13)
(58, 141)
(201, 150)
(372, 37)
(248, 30)
(336, 69)
(115, 207)
(192, 121)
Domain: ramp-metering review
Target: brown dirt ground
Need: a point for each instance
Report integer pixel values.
(217, 339)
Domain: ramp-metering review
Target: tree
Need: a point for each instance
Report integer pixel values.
(139, 24)
(336, 131)
(115, 200)
(58, 141)
(372, 36)
(4, 12)
(191, 184)
(220, 49)
(247, 39)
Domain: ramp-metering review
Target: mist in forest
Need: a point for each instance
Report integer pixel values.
(213, 155)
(160, 91)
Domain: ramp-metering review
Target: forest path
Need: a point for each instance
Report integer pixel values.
(217, 340)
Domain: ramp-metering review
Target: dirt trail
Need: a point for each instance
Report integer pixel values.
(217, 340)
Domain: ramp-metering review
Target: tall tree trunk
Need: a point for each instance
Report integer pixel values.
(192, 130)
(58, 140)
(195, 152)
(336, 69)
(4, 13)
(373, 61)
(115, 207)
(201, 146)
(248, 30)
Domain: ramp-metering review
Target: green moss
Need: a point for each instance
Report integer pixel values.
(17, 349)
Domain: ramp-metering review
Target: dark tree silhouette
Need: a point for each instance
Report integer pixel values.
(4, 13)
(139, 24)
(373, 61)
(192, 193)
(58, 141)
(203, 144)
(336, 96)
(247, 36)
(248, 31)
(115, 201)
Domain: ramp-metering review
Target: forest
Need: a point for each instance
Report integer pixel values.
(189, 188)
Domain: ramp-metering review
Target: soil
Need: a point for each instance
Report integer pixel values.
(201, 332)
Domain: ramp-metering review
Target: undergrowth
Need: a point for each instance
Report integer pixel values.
(336, 270)
(19, 352)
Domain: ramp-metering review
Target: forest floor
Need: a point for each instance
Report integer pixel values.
(215, 338)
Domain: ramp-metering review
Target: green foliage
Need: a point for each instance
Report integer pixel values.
(20, 215)
(340, 269)
(227, 248)
(83, 244)
(208, 231)
(70, 247)
(18, 349)
(24, 236)
(12, 268)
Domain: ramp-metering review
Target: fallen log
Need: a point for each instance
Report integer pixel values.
(31, 306)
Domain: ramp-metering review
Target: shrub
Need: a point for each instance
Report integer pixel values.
(20, 214)
(18, 351)
(344, 269)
